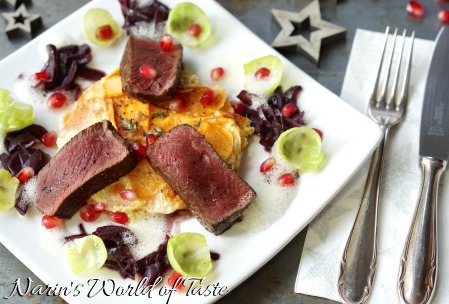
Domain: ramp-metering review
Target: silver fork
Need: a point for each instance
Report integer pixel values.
(387, 108)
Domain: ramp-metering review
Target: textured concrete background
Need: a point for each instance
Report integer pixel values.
(275, 281)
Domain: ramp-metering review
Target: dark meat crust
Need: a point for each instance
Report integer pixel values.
(94, 158)
(214, 193)
(140, 51)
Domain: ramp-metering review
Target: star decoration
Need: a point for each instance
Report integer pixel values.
(21, 20)
(321, 31)
(17, 3)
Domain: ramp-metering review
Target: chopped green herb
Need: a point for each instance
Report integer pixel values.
(129, 124)
(159, 114)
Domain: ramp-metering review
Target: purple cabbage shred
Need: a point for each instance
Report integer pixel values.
(136, 14)
(65, 65)
(267, 119)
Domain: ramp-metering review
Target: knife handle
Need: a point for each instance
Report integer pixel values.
(358, 264)
(418, 265)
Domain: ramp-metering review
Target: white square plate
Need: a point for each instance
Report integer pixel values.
(349, 138)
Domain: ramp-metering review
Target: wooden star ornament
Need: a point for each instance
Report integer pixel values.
(321, 31)
(21, 21)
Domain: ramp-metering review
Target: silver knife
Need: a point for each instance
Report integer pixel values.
(418, 266)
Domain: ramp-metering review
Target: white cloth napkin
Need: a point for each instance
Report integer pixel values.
(328, 233)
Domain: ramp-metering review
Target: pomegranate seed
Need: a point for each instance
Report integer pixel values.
(175, 281)
(207, 98)
(177, 104)
(104, 32)
(262, 73)
(267, 164)
(319, 132)
(49, 139)
(57, 100)
(289, 110)
(50, 222)
(41, 75)
(25, 174)
(141, 150)
(88, 213)
(119, 217)
(415, 9)
(166, 43)
(128, 195)
(444, 16)
(217, 73)
(151, 138)
(238, 107)
(99, 207)
(147, 71)
(287, 180)
(194, 30)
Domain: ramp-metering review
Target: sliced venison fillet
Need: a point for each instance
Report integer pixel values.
(214, 193)
(148, 73)
(94, 158)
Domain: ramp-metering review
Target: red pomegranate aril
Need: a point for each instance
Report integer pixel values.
(177, 104)
(320, 133)
(51, 222)
(207, 98)
(99, 207)
(150, 138)
(104, 32)
(287, 180)
(238, 107)
(217, 73)
(444, 16)
(128, 194)
(147, 71)
(194, 30)
(41, 75)
(166, 43)
(25, 174)
(88, 213)
(267, 164)
(289, 110)
(57, 100)
(119, 217)
(415, 9)
(262, 73)
(49, 139)
(140, 150)
(175, 281)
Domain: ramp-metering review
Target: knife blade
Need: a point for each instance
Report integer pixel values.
(418, 265)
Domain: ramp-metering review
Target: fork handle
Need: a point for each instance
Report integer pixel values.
(358, 264)
(418, 266)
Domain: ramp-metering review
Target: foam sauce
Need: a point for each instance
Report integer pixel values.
(272, 199)
(25, 91)
(150, 231)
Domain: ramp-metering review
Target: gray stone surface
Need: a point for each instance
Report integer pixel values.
(275, 281)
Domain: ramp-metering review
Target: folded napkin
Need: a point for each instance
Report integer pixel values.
(328, 233)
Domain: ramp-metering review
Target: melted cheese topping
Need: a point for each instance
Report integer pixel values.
(226, 131)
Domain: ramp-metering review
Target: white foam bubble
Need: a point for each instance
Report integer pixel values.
(53, 240)
(2, 145)
(150, 231)
(26, 92)
(272, 200)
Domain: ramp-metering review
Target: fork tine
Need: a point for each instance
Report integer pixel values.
(379, 67)
(404, 91)
(387, 77)
(396, 74)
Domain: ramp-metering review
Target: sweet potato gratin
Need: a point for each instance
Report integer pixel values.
(225, 130)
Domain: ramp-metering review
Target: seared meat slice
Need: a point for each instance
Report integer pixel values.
(94, 158)
(148, 73)
(214, 193)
